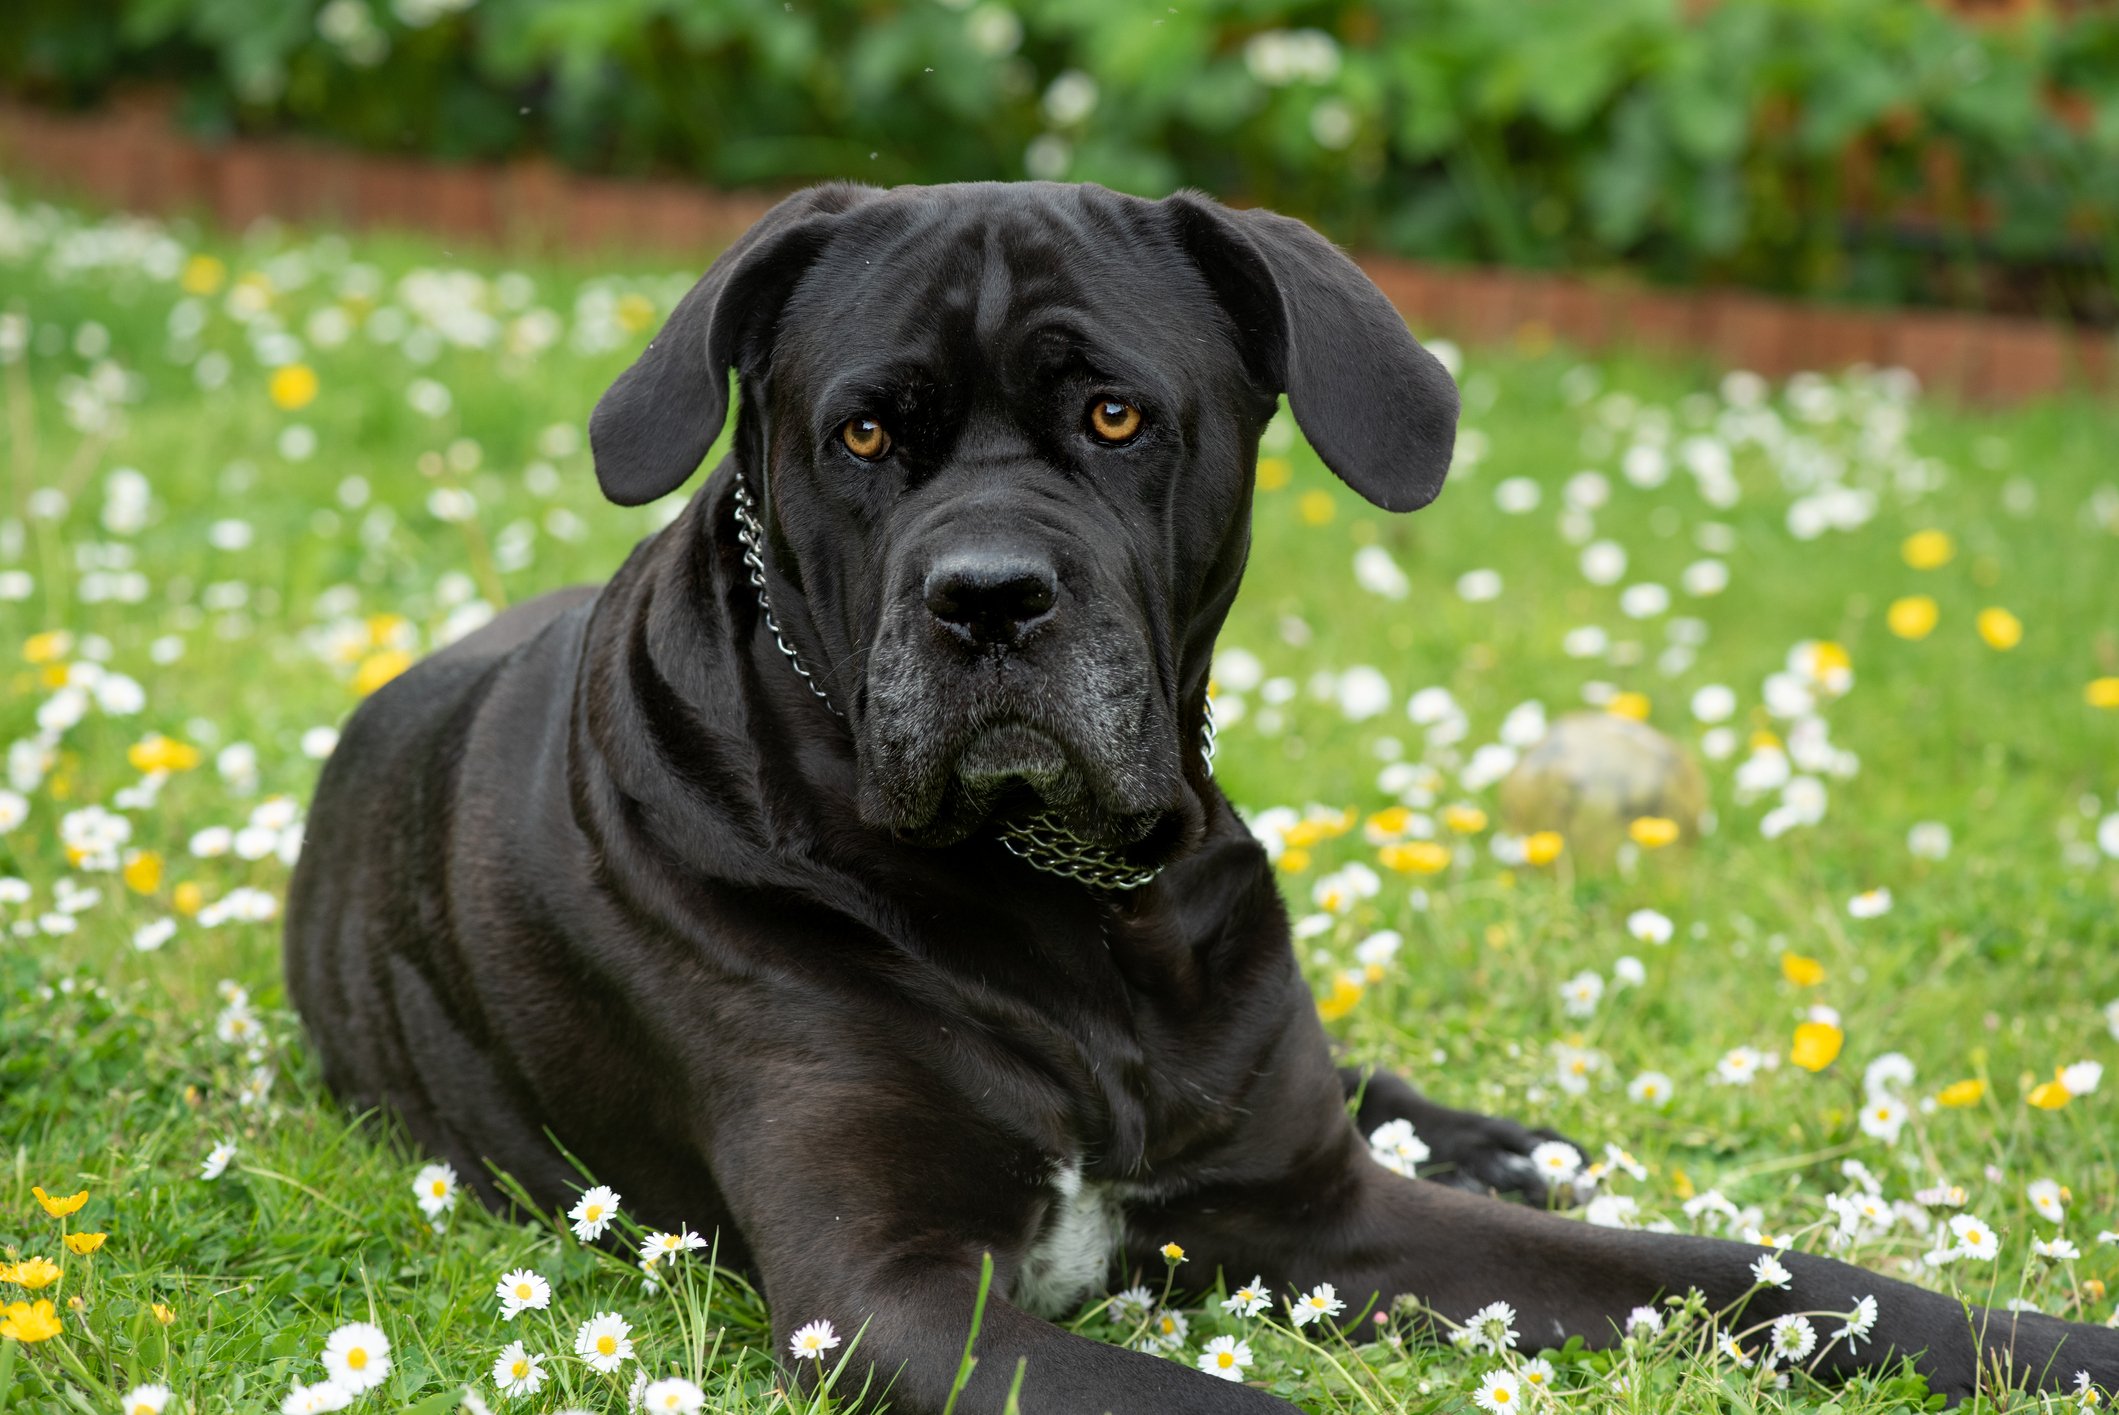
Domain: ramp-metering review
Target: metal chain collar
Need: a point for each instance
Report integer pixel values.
(1042, 841)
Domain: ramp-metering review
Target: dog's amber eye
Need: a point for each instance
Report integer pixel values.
(1113, 421)
(865, 438)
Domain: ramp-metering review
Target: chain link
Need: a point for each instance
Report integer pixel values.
(1042, 842)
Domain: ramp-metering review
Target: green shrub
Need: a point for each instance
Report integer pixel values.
(1881, 149)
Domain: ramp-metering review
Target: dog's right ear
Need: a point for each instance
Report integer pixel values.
(652, 428)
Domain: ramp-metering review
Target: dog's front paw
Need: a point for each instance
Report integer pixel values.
(1490, 1155)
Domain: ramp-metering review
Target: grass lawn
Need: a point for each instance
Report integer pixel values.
(249, 480)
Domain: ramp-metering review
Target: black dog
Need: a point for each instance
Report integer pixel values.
(846, 875)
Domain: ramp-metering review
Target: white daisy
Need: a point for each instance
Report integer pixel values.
(1768, 1271)
(1249, 1300)
(2081, 1078)
(1870, 904)
(2055, 1250)
(605, 1341)
(1650, 926)
(1396, 1147)
(1537, 1373)
(522, 1291)
(1883, 1117)
(672, 1396)
(1225, 1357)
(669, 1245)
(2048, 1198)
(319, 1399)
(1644, 1321)
(812, 1341)
(1499, 1392)
(1126, 1308)
(1974, 1238)
(1728, 1346)
(593, 1211)
(1580, 994)
(145, 1400)
(1858, 1324)
(1793, 1337)
(1321, 1301)
(358, 1357)
(517, 1371)
(1557, 1160)
(435, 1189)
(217, 1160)
(1166, 1331)
(1491, 1328)
(1652, 1089)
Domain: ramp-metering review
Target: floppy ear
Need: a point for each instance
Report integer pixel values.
(1380, 410)
(652, 428)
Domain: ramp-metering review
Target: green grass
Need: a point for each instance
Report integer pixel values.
(1994, 963)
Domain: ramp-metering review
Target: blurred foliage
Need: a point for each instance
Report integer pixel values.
(1876, 149)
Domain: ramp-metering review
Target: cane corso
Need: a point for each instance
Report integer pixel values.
(846, 876)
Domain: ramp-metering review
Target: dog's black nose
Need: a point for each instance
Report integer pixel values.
(992, 598)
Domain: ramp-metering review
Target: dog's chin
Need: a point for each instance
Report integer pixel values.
(1011, 774)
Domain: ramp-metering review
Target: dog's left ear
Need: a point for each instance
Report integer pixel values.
(1380, 410)
(653, 427)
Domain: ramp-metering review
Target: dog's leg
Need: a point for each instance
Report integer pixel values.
(1342, 1219)
(1482, 1153)
(877, 1222)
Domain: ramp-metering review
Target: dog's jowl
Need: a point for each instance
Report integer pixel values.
(848, 876)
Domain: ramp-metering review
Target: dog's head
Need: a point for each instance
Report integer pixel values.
(1002, 439)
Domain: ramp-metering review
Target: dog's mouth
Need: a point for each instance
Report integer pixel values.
(1010, 776)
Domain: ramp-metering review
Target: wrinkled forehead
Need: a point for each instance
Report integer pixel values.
(971, 274)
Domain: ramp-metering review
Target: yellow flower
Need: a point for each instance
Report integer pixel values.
(1173, 1253)
(163, 1313)
(1816, 1045)
(1417, 857)
(1681, 1184)
(1629, 704)
(2102, 693)
(47, 647)
(635, 311)
(1294, 862)
(1928, 550)
(2049, 1095)
(1274, 473)
(158, 753)
(203, 275)
(1912, 617)
(1345, 993)
(59, 1208)
(85, 1243)
(143, 872)
(1959, 1094)
(27, 1321)
(2001, 629)
(1316, 508)
(1801, 971)
(1465, 820)
(379, 668)
(188, 898)
(35, 1273)
(1391, 820)
(294, 386)
(1544, 847)
(1652, 832)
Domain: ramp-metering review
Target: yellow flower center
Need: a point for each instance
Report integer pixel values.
(593, 1212)
(521, 1369)
(1974, 1236)
(143, 1408)
(607, 1345)
(1225, 1359)
(357, 1358)
(441, 1187)
(522, 1290)
(1501, 1395)
(1168, 1326)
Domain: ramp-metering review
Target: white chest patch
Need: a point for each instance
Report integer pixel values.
(1072, 1256)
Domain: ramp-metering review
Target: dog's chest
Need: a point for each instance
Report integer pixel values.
(1072, 1254)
